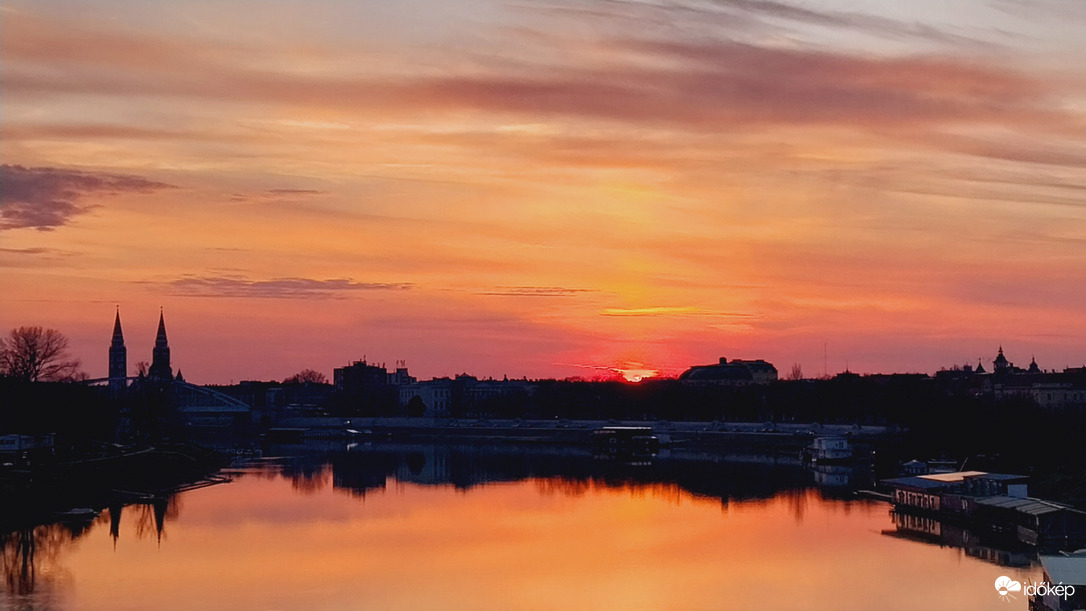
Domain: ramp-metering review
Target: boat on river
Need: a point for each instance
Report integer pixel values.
(828, 451)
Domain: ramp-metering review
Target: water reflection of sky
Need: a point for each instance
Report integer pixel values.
(271, 540)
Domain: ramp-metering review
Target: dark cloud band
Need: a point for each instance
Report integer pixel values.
(46, 198)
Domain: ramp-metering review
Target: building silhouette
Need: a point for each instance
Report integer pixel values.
(737, 372)
(362, 385)
(160, 356)
(1001, 366)
(118, 359)
(360, 378)
(159, 399)
(1049, 389)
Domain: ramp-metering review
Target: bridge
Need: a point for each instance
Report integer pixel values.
(197, 405)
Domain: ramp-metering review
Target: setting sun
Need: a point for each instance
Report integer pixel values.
(635, 372)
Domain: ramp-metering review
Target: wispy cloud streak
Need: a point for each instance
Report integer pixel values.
(675, 311)
(276, 288)
(535, 291)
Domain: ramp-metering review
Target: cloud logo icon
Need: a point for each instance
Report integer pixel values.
(1005, 585)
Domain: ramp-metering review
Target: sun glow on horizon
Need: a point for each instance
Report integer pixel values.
(635, 372)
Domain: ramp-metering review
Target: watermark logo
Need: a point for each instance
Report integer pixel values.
(1005, 585)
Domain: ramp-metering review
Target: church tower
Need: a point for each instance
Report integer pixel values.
(1001, 365)
(118, 358)
(160, 357)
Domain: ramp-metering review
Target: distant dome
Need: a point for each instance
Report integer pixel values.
(716, 373)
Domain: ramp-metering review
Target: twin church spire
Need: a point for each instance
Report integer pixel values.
(118, 355)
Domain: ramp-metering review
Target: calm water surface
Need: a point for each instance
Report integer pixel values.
(440, 528)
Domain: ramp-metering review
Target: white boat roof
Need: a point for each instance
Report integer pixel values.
(951, 478)
(1065, 569)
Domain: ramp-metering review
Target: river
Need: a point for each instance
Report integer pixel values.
(497, 528)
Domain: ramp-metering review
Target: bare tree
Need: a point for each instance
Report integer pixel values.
(141, 368)
(36, 354)
(306, 375)
(796, 373)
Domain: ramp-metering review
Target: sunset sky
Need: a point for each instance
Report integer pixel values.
(546, 188)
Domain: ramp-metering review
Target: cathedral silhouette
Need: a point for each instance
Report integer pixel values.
(160, 370)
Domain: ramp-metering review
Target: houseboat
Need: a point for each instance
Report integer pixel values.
(993, 503)
(827, 451)
(1067, 570)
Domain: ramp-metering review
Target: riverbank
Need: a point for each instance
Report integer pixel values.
(96, 480)
(767, 435)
